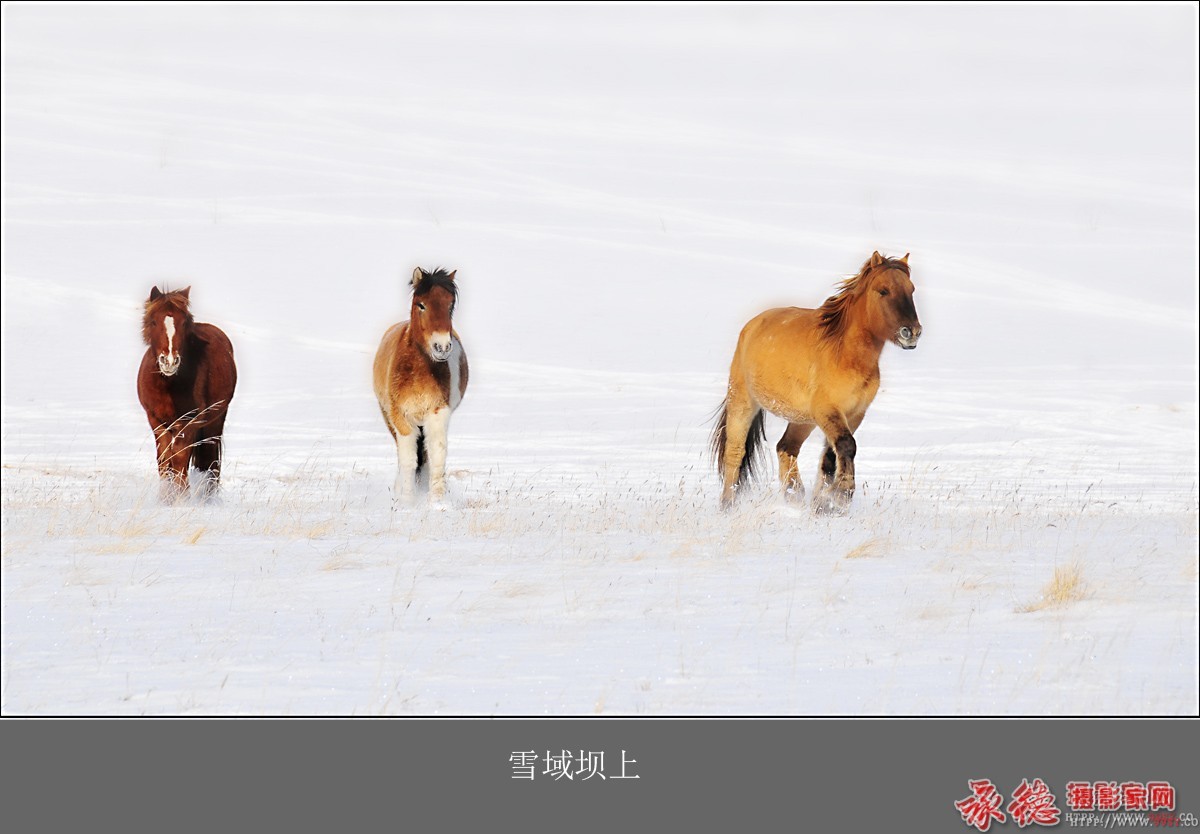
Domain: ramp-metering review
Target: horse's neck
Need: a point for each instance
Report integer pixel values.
(860, 345)
(416, 337)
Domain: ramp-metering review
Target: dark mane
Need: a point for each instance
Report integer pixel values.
(833, 311)
(176, 302)
(438, 278)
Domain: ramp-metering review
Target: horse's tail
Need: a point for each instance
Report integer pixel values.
(421, 455)
(756, 435)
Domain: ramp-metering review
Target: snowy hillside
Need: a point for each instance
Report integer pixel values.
(620, 189)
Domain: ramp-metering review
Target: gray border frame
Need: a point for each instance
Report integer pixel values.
(167, 775)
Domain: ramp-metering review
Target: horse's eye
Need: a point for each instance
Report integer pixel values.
(883, 292)
(421, 307)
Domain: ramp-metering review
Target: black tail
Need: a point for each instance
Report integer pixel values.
(421, 456)
(755, 437)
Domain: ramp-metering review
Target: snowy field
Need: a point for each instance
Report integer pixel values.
(620, 189)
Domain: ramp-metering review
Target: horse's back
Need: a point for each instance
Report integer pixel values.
(782, 320)
(788, 366)
(779, 363)
(212, 334)
(218, 364)
(781, 335)
(385, 359)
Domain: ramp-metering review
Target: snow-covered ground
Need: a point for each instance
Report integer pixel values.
(620, 189)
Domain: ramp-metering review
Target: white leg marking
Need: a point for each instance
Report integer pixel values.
(437, 426)
(406, 463)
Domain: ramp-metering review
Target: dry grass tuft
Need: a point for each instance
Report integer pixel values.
(133, 529)
(519, 589)
(1066, 587)
(194, 536)
(320, 529)
(340, 562)
(870, 549)
(122, 546)
(683, 550)
(486, 524)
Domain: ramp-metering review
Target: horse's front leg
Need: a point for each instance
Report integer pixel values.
(406, 461)
(835, 476)
(437, 428)
(174, 453)
(826, 469)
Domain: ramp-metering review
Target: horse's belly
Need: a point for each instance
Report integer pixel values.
(791, 408)
(796, 404)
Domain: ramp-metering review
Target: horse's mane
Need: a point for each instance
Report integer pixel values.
(833, 311)
(175, 301)
(438, 278)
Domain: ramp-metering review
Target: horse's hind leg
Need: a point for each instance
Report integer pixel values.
(387, 421)
(787, 449)
(741, 432)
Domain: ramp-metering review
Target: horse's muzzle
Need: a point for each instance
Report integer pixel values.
(440, 350)
(168, 366)
(906, 337)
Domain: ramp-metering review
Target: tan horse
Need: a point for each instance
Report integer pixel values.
(815, 369)
(420, 377)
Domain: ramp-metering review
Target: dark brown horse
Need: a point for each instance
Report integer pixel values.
(185, 384)
(420, 376)
(816, 369)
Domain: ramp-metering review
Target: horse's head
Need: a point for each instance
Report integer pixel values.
(889, 299)
(165, 327)
(434, 296)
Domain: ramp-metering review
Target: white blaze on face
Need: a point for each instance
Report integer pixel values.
(168, 363)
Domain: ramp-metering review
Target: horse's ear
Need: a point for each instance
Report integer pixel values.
(905, 258)
(184, 292)
(418, 274)
(876, 259)
(452, 274)
(155, 293)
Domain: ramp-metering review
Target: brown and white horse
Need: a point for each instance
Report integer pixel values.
(185, 384)
(815, 369)
(420, 376)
